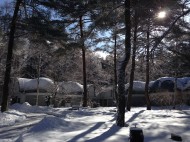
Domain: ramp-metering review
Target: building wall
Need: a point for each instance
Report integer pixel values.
(91, 91)
(31, 98)
(67, 100)
(105, 102)
(105, 98)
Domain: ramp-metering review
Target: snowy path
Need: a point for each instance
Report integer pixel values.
(11, 133)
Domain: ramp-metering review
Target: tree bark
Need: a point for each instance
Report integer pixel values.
(4, 105)
(121, 69)
(84, 64)
(115, 68)
(38, 80)
(130, 89)
(147, 69)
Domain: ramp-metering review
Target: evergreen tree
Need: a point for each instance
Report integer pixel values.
(178, 61)
(4, 104)
(135, 25)
(122, 66)
(148, 29)
(76, 14)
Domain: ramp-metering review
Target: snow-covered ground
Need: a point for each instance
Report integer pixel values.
(25, 123)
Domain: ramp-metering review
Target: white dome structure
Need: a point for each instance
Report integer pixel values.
(30, 85)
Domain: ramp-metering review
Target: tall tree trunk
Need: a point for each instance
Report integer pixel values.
(84, 64)
(115, 2)
(130, 89)
(4, 105)
(115, 68)
(147, 69)
(121, 69)
(175, 91)
(38, 80)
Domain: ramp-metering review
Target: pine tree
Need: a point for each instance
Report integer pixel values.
(122, 66)
(4, 105)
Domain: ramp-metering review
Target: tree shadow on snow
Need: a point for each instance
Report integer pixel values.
(13, 131)
(95, 127)
(134, 116)
(113, 129)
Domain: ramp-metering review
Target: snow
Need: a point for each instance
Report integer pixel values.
(9, 118)
(26, 123)
(101, 54)
(185, 81)
(187, 86)
(48, 85)
(26, 84)
(182, 83)
(69, 87)
(138, 86)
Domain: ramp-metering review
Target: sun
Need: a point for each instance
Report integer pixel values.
(161, 14)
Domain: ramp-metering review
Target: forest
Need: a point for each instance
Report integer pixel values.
(142, 40)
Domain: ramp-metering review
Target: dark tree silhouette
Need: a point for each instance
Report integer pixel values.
(130, 89)
(122, 66)
(4, 105)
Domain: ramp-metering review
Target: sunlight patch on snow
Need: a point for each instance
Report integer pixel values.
(11, 117)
